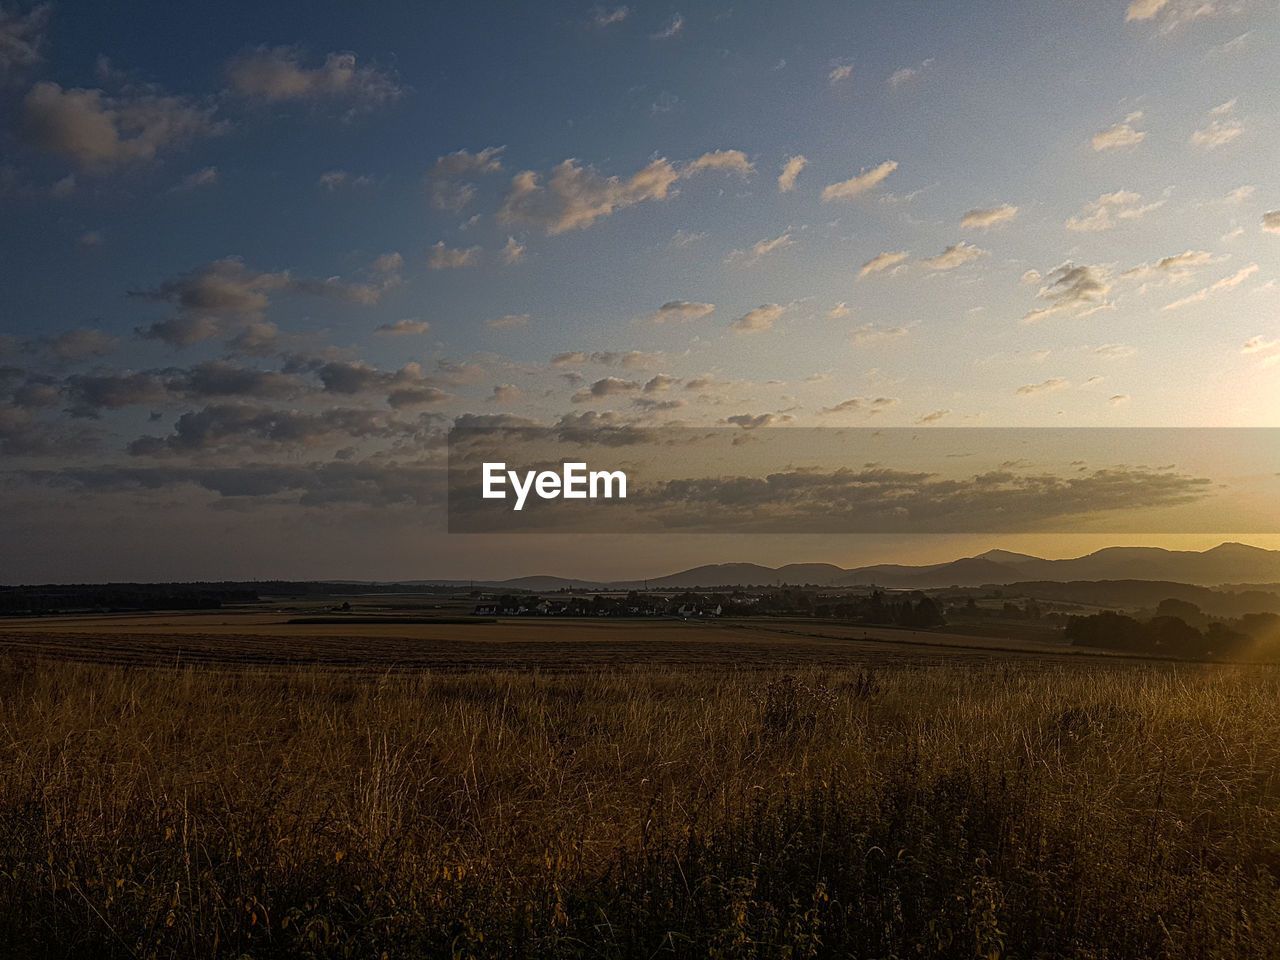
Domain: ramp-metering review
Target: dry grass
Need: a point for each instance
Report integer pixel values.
(975, 810)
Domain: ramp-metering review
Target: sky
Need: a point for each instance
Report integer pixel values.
(256, 260)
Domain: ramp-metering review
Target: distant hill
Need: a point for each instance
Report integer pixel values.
(1229, 563)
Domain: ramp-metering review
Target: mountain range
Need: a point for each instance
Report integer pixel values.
(1235, 563)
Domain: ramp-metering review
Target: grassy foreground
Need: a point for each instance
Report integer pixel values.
(1007, 810)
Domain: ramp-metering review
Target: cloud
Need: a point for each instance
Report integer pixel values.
(682, 310)
(602, 17)
(839, 311)
(609, 429)
(1114, 351)
(883, 261)
(863, 405)
(759, 249)
(91, 393)
(450, 193)
(100, 132)
(933, 417)
(988, 216)
(512, 252)
(276, 74)
(1222, 129)
(82, 343)
(1110, 208)
(729, 161)
(1241, 194)
(21, 36)
(1259, 344)
(605, 387)
(1271, 221)
(1143, 9)
(748, 421)
(1120, 135)
(956, 255)
(839, 73)
(863, 182)
(226, 297)
(368, 483)
(402, 328)
(632, 359)
(332, 180)
(1073, 291)
(1226, 283)
(660, 383)
(205, 177)
(447, 258)
(1176, 267)
(575, 197)
(505, 393)
(879, 499)
(508, 322)
(464, 162)
(226, 425)
(870, 333)
(673, 29)
(1048, 386)
(790, 171)
(758, 320)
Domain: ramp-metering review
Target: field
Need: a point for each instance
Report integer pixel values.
(229, 785)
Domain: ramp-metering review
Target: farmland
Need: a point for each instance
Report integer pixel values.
(227, 784)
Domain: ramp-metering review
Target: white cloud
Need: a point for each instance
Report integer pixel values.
(682, 310)
(988, 216)
(276, 74)
(1259, 344)
(840, 72)
(98, 131)
(758, 320)
(863, 182)
(508, 322)
(1241, 194)
(1072, 291)
(1226, 283)
(575, 197)
(673, 29)
(729, 161)
(954, 256)
(761, 248)
(605, 18)
(1144, 9)
(512, 251)
(1223, 128)
(839, 311)
(883, 261)
(790, 171)
(869, 334)
(1109, 209)
(447, 258)
(1113, 351)
(1176, 267)
(1121, 135)
(1048, 386)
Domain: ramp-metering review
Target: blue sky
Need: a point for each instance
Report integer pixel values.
(272, 237)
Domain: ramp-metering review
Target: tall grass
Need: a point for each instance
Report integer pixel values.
(979, 811)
